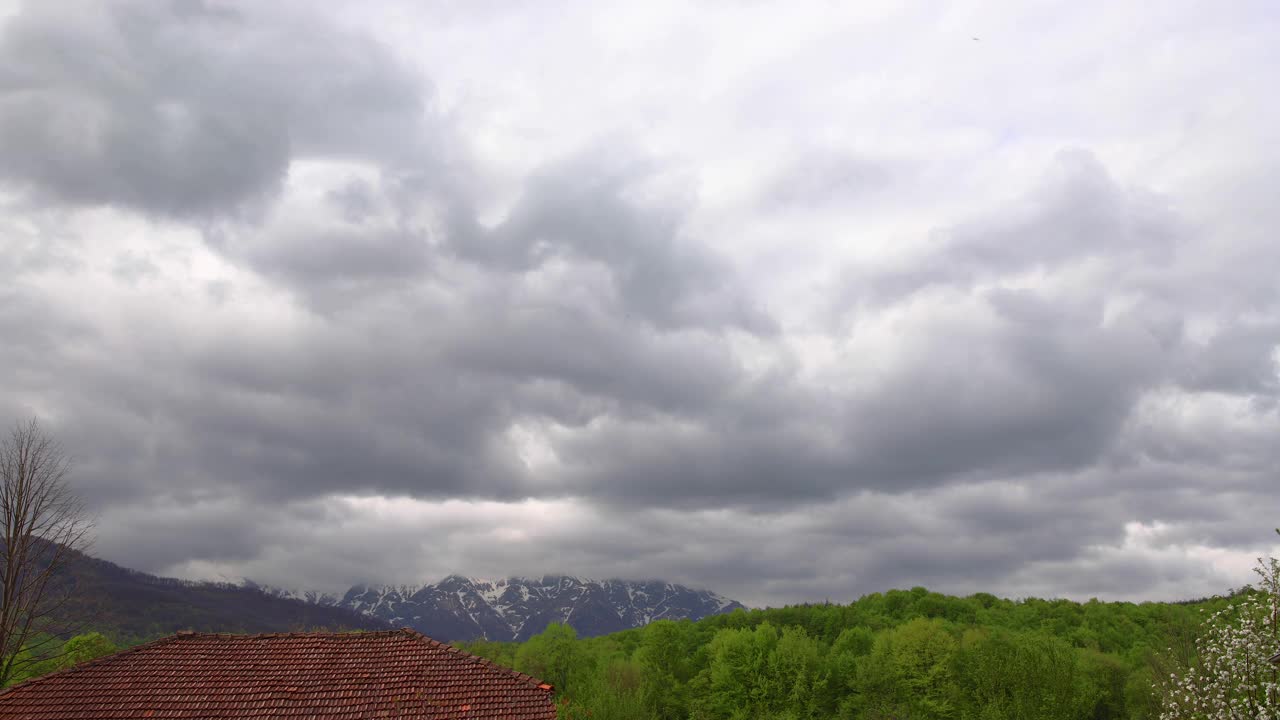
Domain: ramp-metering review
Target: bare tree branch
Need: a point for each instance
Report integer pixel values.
(43, 527)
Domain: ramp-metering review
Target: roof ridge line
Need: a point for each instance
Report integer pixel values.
(184, 634)
(304, 634)
(548, 687)
(89, 663)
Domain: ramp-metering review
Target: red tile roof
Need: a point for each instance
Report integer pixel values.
(393, 674)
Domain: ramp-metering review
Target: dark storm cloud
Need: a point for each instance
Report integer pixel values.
(189, 531)
(179, 109)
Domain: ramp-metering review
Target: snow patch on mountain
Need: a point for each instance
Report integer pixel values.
(516, 608)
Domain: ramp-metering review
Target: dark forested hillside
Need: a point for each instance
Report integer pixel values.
(130, 606)
(899, 654)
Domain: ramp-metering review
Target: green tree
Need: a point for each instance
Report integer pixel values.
(86, 647)
(1002, 675)
(78, 649)
(1104, 678)
(763, 673)
(797, 676)
(735, 678)
(843, 658)
(908, 674)
(1141, 701)
(904, 654)
(666, 658)
(551, 655)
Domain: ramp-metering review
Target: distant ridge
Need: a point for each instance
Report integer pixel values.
(516, 608)
(131, 605)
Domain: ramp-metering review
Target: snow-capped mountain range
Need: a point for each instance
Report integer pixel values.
(516, 608)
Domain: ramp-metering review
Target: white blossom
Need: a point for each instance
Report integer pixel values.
(1233, 678)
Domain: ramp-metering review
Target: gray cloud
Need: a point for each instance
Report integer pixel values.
(819, 177)
(985, 382)
(250, 283)
(183, 109)
(1076, 214)
(579, 211)
(1238, 359)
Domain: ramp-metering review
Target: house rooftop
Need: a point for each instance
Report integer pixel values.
(395, 673)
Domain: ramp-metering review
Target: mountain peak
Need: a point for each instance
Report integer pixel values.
(461, 607)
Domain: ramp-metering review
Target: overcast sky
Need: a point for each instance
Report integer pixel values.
(792, 301)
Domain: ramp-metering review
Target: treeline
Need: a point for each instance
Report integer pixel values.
(54, 654)
(900, 654)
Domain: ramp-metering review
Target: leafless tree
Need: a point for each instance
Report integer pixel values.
(45, 527)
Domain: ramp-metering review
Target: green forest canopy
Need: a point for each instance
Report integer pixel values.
(899, 654)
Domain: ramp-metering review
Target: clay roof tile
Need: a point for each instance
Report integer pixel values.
(325, 676)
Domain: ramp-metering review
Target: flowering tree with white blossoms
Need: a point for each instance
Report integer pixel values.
(1234, 679)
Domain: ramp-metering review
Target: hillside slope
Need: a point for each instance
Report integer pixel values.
(129, 605)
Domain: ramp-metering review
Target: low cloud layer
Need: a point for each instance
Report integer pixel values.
(379, 296)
